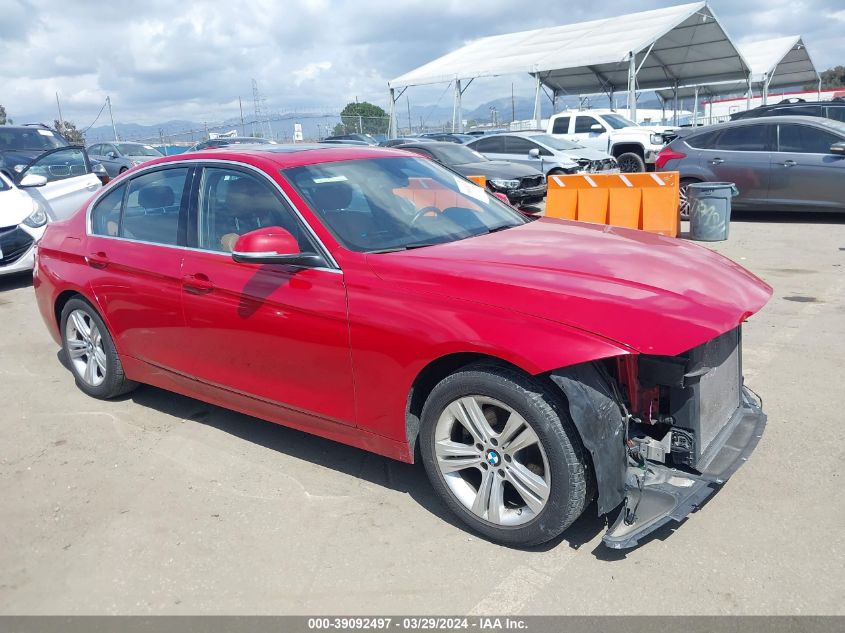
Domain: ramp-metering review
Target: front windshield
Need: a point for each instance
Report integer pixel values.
(387, 204)
(554, 142)
(617, 121)
(130, 149)
(454, 154)
(12, 139)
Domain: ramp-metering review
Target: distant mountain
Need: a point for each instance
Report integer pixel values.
(319, 125)
(134, 131)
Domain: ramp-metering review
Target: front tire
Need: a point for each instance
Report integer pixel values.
(500, 450)
(630, 163)
(90, 351)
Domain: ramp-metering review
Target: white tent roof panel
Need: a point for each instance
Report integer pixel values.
(684, 43)
(784, 59)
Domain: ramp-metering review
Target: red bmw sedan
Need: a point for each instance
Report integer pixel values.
(378, 299)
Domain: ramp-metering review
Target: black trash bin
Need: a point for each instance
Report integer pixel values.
(710, 210)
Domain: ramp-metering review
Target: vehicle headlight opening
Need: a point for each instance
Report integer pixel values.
(657, 139)
(500, 183)
(38, 217)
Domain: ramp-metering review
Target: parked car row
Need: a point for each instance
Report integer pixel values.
(42, 178)
(522, 185)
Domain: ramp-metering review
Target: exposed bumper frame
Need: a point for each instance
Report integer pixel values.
(656, 494)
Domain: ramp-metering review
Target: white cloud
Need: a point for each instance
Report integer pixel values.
(161, 60)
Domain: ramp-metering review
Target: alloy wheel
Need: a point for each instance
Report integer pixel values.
(85, 348)
(684, 204)
(492, 460)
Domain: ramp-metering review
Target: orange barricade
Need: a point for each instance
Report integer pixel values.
(647, 201)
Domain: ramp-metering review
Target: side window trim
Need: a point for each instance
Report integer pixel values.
(196, 166)
(193, 224)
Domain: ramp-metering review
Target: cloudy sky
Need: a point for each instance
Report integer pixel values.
(162, 60)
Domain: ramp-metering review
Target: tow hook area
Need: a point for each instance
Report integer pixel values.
(655, 495)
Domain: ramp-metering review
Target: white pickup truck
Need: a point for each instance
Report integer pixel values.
(635, 147)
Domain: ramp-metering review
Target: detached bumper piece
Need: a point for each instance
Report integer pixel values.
(656, 494)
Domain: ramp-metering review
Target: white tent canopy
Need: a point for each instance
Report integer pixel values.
(682, 45)
(779, 62)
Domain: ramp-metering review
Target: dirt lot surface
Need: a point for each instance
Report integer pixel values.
(157, 503)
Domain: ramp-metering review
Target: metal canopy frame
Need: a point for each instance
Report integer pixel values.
(780, 62)
(649, 50)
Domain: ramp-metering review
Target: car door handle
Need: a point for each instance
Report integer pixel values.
(789, 163)
(717, 161)
(197, 284)
(97, 260)
(93, 186)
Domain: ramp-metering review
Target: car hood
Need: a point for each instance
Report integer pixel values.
(15, 207)
(496, 169)
(650, 293)
(584, 152)
(640, 131)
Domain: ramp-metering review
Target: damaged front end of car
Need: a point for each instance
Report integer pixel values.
(663, 432)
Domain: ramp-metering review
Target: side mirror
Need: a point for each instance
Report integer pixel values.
(534, 153)
(100, 172)
(596, 127)
(838, 148)
(111, 155)
(32, 180)
(273, 245)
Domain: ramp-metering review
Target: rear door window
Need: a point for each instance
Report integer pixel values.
(561, 125)
(702, 141)
(837, 114)
(746, 138)
(490, 145)
(153, 207)
(804, 139)
(105, 217)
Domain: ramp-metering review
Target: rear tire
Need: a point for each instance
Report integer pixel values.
(630, 163)
(90, 352)
(500, 450)
(123, 169)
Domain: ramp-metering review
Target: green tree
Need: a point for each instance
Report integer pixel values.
(2, 115)
(69, 131)
(363, 118)
(831, 78)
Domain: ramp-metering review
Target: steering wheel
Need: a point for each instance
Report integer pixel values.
(423, 212)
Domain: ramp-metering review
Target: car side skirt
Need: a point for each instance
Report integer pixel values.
(146, 373)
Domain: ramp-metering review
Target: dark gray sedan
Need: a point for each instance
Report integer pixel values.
(117, 157)
(783, 163)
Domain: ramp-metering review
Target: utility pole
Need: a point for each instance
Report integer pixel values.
(513, 106)
(241, 106)
(111, 116)
(410, 125)
(256, 102)
(61, 120)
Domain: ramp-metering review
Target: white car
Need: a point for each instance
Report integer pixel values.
(633, 146)
(42, 179)
(22, 222)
